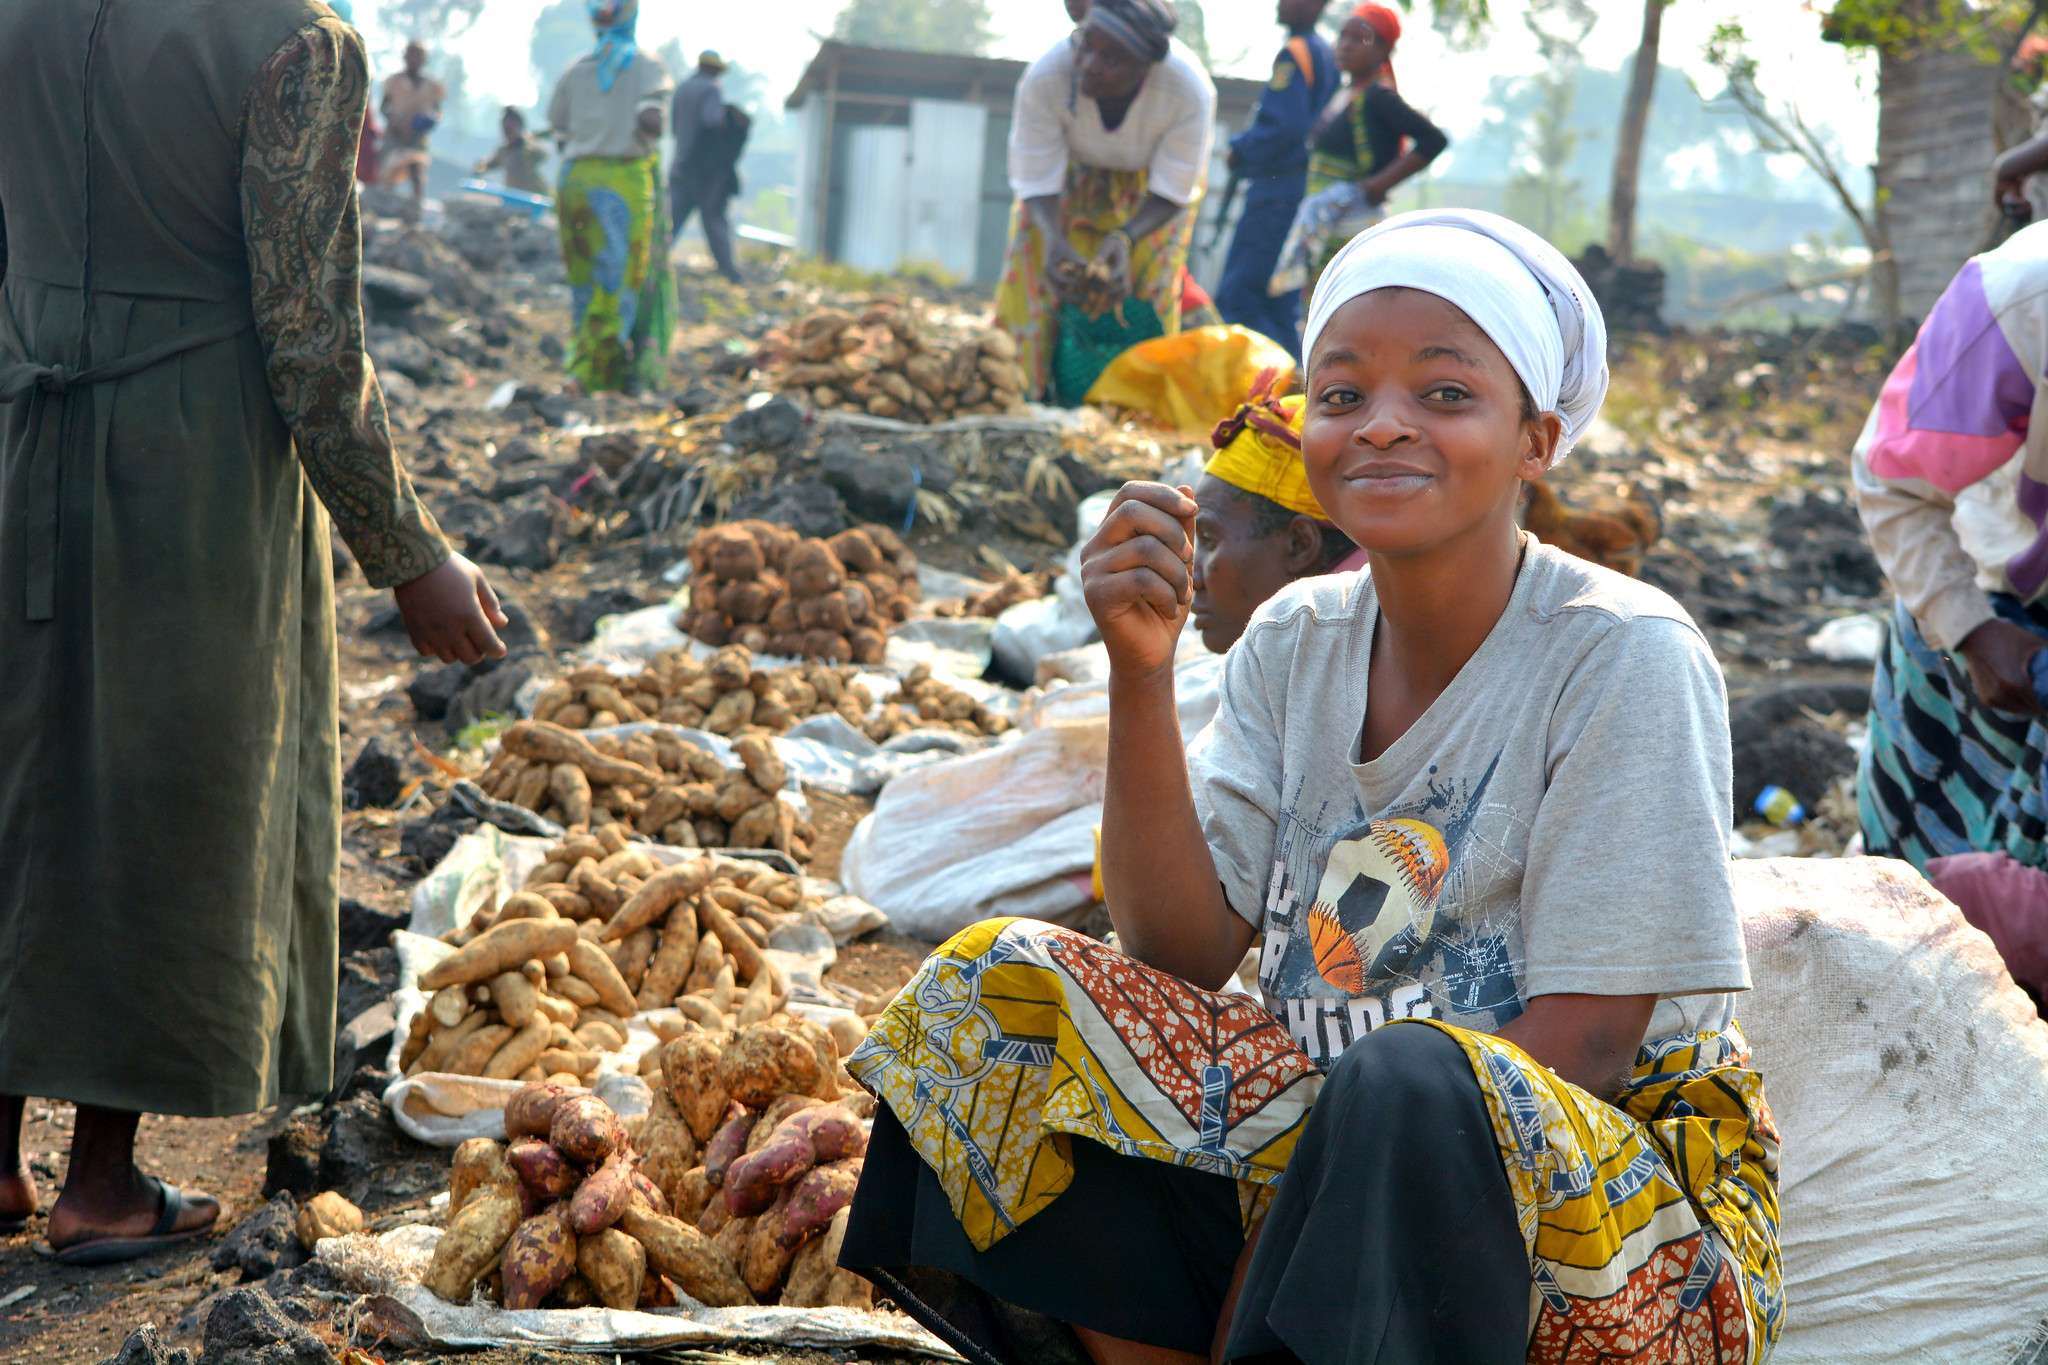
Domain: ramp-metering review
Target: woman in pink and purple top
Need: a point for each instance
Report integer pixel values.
(1952, 481)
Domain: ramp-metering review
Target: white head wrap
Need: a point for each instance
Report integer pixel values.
(1518, 289)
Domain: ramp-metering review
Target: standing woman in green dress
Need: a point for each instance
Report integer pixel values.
(607, 114)
(182, 390)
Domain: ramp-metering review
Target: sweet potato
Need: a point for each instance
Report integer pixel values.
(585, 1129)
(475, 1052)
(756, 1180)
(574, 989)
(602, 894)
(667, 1147)
(756, 827)
(733, 710)
(814, 1200)
(728, 1143)
(670, 965)
(542, 1168)
(514, 997)
(720, 996)
(713, 1218)
(570, 786)
(519, 1051)
(690, 1067)
(575, 1291)
(615, 1265)
(501, 948)
(764, 1260)
(541, 742)
(692, 1193)
(326, 1214)
(687, 1256)
(647, 1190)
(600, 1199)
(775, 1115)
(478, 1164)
(539, 1256)
(589, 962)
(656, 895)
(815, 1279)
(700, 1012)
(744, 952)
(705, 961)
(631, 955)
(531, 1110)
(526, 905)
(470, 1244)
(448, 1006)
(599, 1037)
(568, 904)
(763, 1061)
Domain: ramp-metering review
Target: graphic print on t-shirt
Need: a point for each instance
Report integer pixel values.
(1411, 914)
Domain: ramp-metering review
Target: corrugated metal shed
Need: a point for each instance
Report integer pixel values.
(901, 158)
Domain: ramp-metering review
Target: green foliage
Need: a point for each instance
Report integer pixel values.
(963, 26)
(480, 731)
(1464, 24)
(1900, 27)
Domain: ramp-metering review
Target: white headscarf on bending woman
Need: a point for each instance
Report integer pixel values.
(1519, 289)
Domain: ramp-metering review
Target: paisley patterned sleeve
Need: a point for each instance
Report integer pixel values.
(300, 123)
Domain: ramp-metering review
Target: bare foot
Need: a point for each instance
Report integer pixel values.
(74, 1218)
(18, 1201)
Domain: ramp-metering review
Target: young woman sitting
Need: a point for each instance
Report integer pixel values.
(1470, 807)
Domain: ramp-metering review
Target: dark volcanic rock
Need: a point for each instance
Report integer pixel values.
(376, 777)
(144, 1347)
(430, 839)
(1776, 744)
(775, 425)
(432, 688)
(531, 537)
(489, 693)
(361, 1141)
(586, 613)
(293, 1164)
(806, 506)
(246, 1327)
(364, 930)
(263, 1242)
(876, 486)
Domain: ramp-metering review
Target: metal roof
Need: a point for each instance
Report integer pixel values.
(944, 75)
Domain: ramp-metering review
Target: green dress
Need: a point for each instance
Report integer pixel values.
(181, 377)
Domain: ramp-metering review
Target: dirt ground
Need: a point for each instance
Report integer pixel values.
(1741, 441)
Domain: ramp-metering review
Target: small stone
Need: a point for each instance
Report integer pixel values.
(294, 1162)
(471, 521)
(396, 290)
(246, 1327)
(145, 1347)
(556, 408)
(806, 506)
(375, 779)
(361, 1142)
(429, 839)
(264, 1242)
(432, 688)
(551, 347)
(610, 451)
(696, 400)
(399, 392)
(775, 425)
(488, 694)
(584, 616)
(531, 535)
(518, 450)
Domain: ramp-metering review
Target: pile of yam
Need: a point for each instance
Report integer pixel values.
(733, 1189)
(543, 985)
(998, 597)
(676, 689)
(931, 703)
(887, 363)
(763, 586)
(666, 788)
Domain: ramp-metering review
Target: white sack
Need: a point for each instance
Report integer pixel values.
(1909, 1079)
(992, 833)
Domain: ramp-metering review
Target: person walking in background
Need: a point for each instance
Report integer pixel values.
(704, 178)
(519, 156)
(1271, 156)
(182, 389)
(607, 111)
(1109, 150)
(412, 109)
(1364, 144)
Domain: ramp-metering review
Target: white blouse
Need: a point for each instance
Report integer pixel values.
(1166, 132)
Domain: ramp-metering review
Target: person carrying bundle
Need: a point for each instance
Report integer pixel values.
(1493, 1104)
(1109, 153)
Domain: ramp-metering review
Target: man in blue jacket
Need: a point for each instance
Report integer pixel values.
(1272, 158)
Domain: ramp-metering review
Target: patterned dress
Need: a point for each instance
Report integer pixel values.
(1650, 1225)
(614, 222)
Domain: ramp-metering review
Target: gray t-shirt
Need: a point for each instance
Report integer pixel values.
(1556, 822)
(594, 121)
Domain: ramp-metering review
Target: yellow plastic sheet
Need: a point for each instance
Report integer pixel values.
(1194, 379)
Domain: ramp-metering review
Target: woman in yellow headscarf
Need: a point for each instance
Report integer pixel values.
(1259, 527)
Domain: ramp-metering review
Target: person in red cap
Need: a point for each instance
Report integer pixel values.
(1366, 143)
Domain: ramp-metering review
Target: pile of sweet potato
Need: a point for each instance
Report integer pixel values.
(890, 363)
(676, 689)
(666, 788)
(761, 586)
(542, 985)
(929, 703)
(733, 1189)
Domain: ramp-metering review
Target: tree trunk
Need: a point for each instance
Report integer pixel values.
(1628, 143)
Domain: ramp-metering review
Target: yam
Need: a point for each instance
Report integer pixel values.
(690, 1068)
(589, 962)
(539, 1256)
(763, 1061)
(514, 996)
(478, 1164)
(733, 710)
(615, 1265)
(570, 786)
(667, 1147)
(688, 1257)
(671, 961)
(585, 1129)
(326, 1214)
(543, 742)
(521, 1050)
(657, 896)
(601, 1198)
(693, 1192)
(470, 1244)
(501, 948)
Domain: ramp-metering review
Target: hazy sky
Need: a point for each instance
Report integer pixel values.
(1834, 89)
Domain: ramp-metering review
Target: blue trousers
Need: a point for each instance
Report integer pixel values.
(1269, 204)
